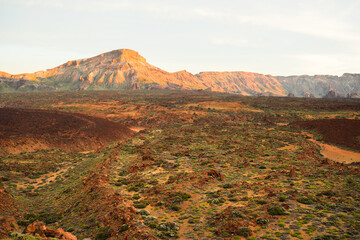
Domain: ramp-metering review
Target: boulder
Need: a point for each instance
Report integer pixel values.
(36, 227)
(39, 228)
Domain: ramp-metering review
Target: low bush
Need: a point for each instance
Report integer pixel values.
(277, 210)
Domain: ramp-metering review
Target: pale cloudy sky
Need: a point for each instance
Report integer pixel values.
(279, 37)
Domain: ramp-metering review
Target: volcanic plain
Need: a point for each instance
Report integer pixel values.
(197, 165)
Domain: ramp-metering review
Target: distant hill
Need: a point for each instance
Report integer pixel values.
(320, 85)
(127, 69)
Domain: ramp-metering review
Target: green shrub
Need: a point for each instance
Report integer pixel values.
(102, 234)
(244, 232)
(175, 207)
(150, 221)
(282, 199)
(123, 173)
(19, 236)
(262, 221)
(141, 204)
(49, 218)
(136, 186)
(179, 196)
(124, 227)
(216, 200)
(329, 193)
(143, 212)
(136, 196)
(261, 202)
(227, 185)
(168, 226)
(326, 237)
(277, 210)
(31, 217)
(305, 200)
(167, 230)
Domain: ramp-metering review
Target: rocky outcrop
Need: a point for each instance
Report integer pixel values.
(7, 224)
(308, 95)
(7, 201)
(39, 228)
(330, 94)
(291, 95)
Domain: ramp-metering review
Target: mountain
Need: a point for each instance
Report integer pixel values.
(123, 69)
(321, 85)
(127, 69)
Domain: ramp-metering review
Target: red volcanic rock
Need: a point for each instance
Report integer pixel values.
(215, 174)
(7, 224)
(31, 130)
(36, 227)
(7, 202)
(292, 173)
(39, 228)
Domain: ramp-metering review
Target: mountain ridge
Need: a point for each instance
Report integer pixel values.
(127, 69)
(321, 85)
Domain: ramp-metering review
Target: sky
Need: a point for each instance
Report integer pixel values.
(278, 37)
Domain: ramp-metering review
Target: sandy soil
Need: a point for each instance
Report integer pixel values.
(342, 132)
(338, 154)
(137, 129)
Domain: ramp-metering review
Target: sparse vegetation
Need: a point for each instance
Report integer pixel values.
(190, 172)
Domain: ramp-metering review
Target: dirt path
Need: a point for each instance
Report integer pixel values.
(329, 151)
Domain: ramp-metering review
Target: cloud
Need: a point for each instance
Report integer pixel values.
(314, 18)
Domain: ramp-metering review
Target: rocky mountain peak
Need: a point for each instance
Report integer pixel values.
(124, 55)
